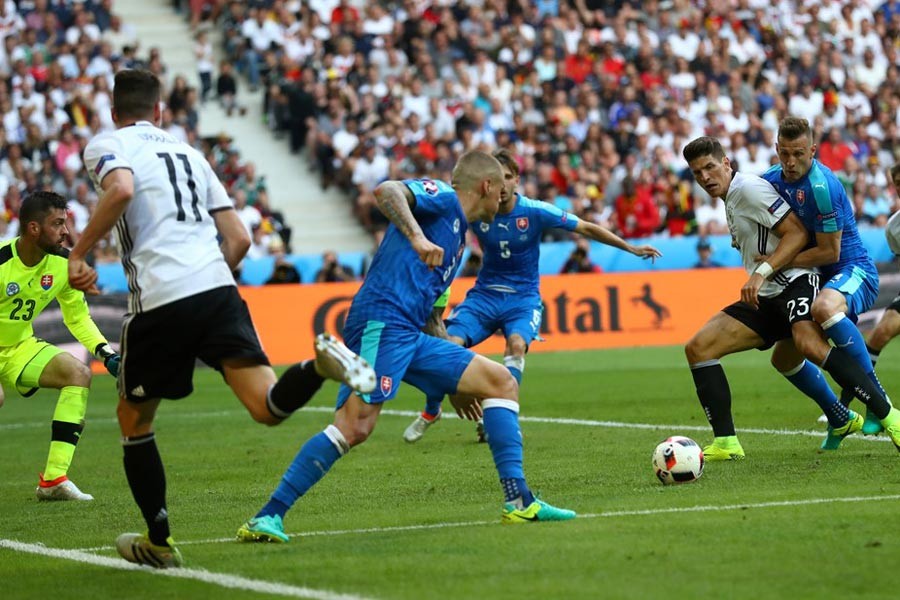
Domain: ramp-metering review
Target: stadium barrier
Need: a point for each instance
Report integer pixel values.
(590, 311)
(584, 311)
(678, 253)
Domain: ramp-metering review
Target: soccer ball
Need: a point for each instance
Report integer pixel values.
(678, 460)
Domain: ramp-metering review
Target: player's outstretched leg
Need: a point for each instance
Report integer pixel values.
(312, 462)
(137, 548)
(501, 422)
(335, 361)
(428, 417)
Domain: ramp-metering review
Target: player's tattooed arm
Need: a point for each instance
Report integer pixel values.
(396, 202)
(434, 326)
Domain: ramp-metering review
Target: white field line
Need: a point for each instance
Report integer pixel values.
(218, 579)
(607, 515)
(524, 419)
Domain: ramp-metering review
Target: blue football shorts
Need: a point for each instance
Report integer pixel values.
(484, 311)
(433, 365)
(858, 285)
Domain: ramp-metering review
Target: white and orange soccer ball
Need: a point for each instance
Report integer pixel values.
(678, 459)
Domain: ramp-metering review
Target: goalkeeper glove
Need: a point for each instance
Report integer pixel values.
(110, 358)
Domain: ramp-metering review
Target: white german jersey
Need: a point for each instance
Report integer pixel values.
(754, 209)
(167, 238)
(892, 233)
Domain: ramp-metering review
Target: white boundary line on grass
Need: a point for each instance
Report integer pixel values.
(220, 579)
(524, 419)
(607, 515)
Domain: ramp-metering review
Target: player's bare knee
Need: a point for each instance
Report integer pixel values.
(696, 350)
(264, 417)
(80, 375)
(357, 433)
(824, 307)
(505, 386)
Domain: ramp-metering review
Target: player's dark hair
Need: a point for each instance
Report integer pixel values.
(895, 170)
(136, 94)
(506, 160)
(792, 128)
(37, 205)
(703, 146)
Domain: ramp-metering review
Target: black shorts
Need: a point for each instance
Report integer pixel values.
(775, 316)
(160, 347)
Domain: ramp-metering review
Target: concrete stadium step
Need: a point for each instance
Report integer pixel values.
(321, 220)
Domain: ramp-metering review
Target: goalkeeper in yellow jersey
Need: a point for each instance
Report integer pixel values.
(34, 271)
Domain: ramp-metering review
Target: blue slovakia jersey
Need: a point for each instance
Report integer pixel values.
(399, 288)
(822, 204)
(512, 244)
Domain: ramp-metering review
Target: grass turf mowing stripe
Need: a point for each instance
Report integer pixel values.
(606, 515)
(818, 433)
(219, 579)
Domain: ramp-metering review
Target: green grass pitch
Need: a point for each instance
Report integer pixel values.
(421, 521)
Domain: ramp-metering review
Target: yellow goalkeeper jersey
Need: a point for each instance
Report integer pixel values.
(26, 291)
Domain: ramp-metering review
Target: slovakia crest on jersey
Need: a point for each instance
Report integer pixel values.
(522, 223)
(46, 282)
(430, 187)
(387, 384)
(801, 197)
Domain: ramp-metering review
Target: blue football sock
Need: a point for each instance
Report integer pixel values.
(501, 424)
(515, 365)
(809, 379)
(433, 406)
(873, 354)
(313, 461)
(846, 336)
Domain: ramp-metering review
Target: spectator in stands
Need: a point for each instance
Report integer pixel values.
(203, 52)
(226, 90)
(580, 260)
(876, 206)
(284, 272)
(711, 218)
(332, 270)
(637, 215)
(704, 255)
(834, 151)
(370, 169)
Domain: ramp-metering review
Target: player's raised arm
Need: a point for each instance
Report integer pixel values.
(396, 202)
(605, 236)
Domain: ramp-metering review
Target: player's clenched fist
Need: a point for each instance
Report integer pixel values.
(430, 254)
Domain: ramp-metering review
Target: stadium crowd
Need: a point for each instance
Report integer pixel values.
(596, 99)
(57, 62)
